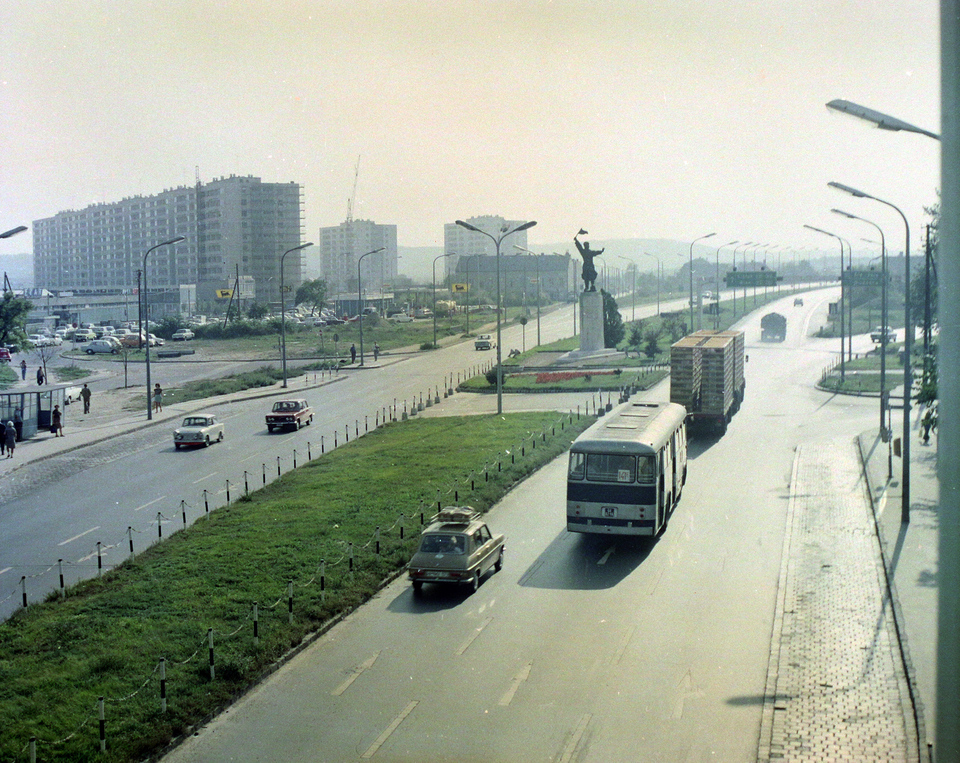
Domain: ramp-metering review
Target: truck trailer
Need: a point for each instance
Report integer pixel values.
(773, 328)
(707, 377)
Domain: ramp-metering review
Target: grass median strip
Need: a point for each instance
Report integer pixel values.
(107, 636)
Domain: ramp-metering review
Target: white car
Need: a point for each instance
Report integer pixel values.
(182, 335)
(39, 340)
(198, 429)
(95, 346)
(401, 318)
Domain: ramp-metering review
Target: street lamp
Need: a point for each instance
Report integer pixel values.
(883, 121)
(907, 348)
(691, 274)
(536, 260)
(633, 301)
(146, 315)
(504, 232)
(438, 257)
(659, 269)
(716, 320)
(13, 231)
(360, 296)
(883, 320)
(834, 235)
(283, 315)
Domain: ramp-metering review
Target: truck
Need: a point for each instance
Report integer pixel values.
(773, 328)
(707, 377)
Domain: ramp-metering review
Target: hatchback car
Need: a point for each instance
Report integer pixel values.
(457, 547)
(198, 429)
(95, 346)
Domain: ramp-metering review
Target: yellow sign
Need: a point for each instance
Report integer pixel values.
(224, 293)
(459, 288)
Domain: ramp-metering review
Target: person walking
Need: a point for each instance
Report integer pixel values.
(376, 352)
(56, 421)
(353, 353)
(85, 395)
(18, 423)
(157, 398)
(10, 438)
(23, 370)
(39, 376)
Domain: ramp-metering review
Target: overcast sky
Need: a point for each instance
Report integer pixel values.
(640, 118)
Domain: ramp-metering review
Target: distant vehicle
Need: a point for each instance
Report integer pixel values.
(798, 302)
(706, 295)
(182, 335)
(289, 413)
(83, 335)
(773, 328)
(422, 312)
(156, 341)
(5, 356)
(130, 340)
(39, 340)
(626, 471)
(198, 429)
(369, 311)
(402, 318)
(457, 547)
(876, 335)
(484, 342)
(335, 321)
(95, 346)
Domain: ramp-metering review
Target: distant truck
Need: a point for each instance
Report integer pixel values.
(707, 377)
(773, 328)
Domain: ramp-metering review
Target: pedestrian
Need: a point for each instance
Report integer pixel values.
(10, 438)
(927, 422)
(23, 370)
(18, 423)
(376, 351)
(157, 398)
(353, 353)
(56, 422)
(39, 376)
(85, 395)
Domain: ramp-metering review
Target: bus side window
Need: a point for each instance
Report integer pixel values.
(577, 462)
(646, 474)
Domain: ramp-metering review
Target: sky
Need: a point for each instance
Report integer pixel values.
(634, 118)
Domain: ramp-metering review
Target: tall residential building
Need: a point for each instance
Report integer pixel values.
(232, 226)
(460, 242)
(341, 246)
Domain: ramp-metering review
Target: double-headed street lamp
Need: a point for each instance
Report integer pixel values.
(504, 232)
(360, 296)
(838, 238)
(691, 273)
(146, 316)
(536, 260)
(13, 231)
(883, 121)
(283, 315)
(633, 301)
(438, 257)
(659, 270)
(716, 319)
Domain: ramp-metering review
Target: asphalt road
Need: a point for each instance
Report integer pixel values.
(580, 649)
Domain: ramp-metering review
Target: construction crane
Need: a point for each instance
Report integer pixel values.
(353, 195)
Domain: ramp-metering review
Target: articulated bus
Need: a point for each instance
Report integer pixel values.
(627, 470)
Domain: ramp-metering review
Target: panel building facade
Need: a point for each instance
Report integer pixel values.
(232, 226)
(341, 247)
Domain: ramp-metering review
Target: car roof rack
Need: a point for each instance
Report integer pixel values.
(457, 515)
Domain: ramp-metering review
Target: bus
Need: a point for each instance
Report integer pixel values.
(627, 471)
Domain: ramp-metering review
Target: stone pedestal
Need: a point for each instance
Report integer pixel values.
(591, 321)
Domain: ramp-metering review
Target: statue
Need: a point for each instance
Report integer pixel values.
(589, 273)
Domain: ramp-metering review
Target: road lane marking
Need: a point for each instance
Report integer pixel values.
(5, 569)
(466, 644)
(622, 647)
(75, 537)
(518, 679)
(607, 554)
(357, 672)
(574, 742)
(372, 749)
(155, 500)
(212, 474)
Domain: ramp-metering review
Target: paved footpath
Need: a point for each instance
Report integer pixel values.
(837, 687)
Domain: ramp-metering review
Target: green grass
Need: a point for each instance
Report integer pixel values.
(8, 376)
(107, 637)
(585, 381)
(70, 373)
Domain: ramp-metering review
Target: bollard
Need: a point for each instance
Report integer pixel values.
(294, 458)
(23, 589)
(264, 474)
(228, 491)
(309, 455)
(163, 684)
(278, 466)
(63, 589)
(246, 483)
(334, 438)
(99, 560)
(210, 642)
(346, 433)
(350, 546)
(159, 526)
(322, 451)
(183, 511)
(366, 424)
(377, 542)
(290, 602)
(206, 503)
(356, 427)
(401, 526)
(256, 624)
(103, 725)
(323, 581)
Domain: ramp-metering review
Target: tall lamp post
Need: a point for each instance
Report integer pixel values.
(716, 319)
(659, 271)
(504, 232)
(633, 301)
(438, 257)
(536, 260)
(283, 315)
(146, 316)
(13, 231)
(691, 274)
(838, 238)
(360, 296)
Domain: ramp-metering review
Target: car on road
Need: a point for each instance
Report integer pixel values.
(198, 429)
(182, 335)
(291, 414)
(484, 342)
(457, 547)
(95, 346)
(798, 302)
(876, 335)
(401, 318)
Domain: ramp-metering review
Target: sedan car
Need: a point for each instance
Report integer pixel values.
(182, 335)
(95, 346)
(484, 342)
(457, 547)
(198, 429)
(289, 413)
(5, 356)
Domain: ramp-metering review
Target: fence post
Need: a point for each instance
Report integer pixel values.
(103, 725)
(228, 491)
(23, 589)
(99, 560)
(63, 590)
(278, 466)
(159, 525)
(130, 538)
(377, 536)
(246, 483)
(256, 624)
(294, 458)
(290, 601)
(401, 526)
(210, 643)
(309, 455)
(323, 581)
(183, 511)
(163, 684)
(206, 502)
(321, 445)
(351, 556)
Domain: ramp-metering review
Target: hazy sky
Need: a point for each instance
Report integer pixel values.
(665, 118)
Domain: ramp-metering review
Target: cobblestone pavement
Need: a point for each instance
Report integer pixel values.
(837, 687)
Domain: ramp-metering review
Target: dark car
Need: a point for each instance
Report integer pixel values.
(291, 414)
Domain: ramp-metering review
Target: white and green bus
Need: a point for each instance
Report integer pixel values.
(627, 470)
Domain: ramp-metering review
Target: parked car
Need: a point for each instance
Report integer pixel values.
(83, 335)
(156, 341)
(198, 429)
(39, 340)
(182, 335)
(130, 340)
(457, 547)
(484, 342)
(289, 413)
(95, 346)
(5, 356)
(877, 334)
(402, 318)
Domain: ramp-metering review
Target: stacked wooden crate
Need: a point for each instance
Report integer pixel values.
(685, 373)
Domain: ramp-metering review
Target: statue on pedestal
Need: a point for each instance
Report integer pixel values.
(589, 273)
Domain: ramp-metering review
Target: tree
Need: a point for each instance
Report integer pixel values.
(13, 319)
(311, 293)
(258, 310)
(613, 330)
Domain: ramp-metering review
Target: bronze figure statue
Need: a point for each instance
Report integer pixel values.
(589, 273)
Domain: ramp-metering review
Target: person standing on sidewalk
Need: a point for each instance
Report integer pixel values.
(39, 376)
(10, 438)
(23, 370)
(353, 353)
(157, 398)
(56, 422)
(376, 352)
(18, 423)
(85, 395)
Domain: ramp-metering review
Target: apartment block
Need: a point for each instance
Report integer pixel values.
(342, 246)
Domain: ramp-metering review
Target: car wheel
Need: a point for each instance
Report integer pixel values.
(220, 438)
(498, 565)
(176, 446)
(297, 425)
(269, 429)
(206, 442)
(89, 352)
(417, 586)
(475, 581)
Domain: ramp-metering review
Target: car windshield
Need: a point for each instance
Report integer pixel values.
(195, 421)
(284, 406)
(442, 543)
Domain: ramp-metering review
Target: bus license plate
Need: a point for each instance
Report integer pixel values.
(608, 512)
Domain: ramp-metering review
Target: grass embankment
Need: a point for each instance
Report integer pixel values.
(861, 376)
(107, 636)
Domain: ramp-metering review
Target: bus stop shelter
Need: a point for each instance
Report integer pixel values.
(35, 405)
